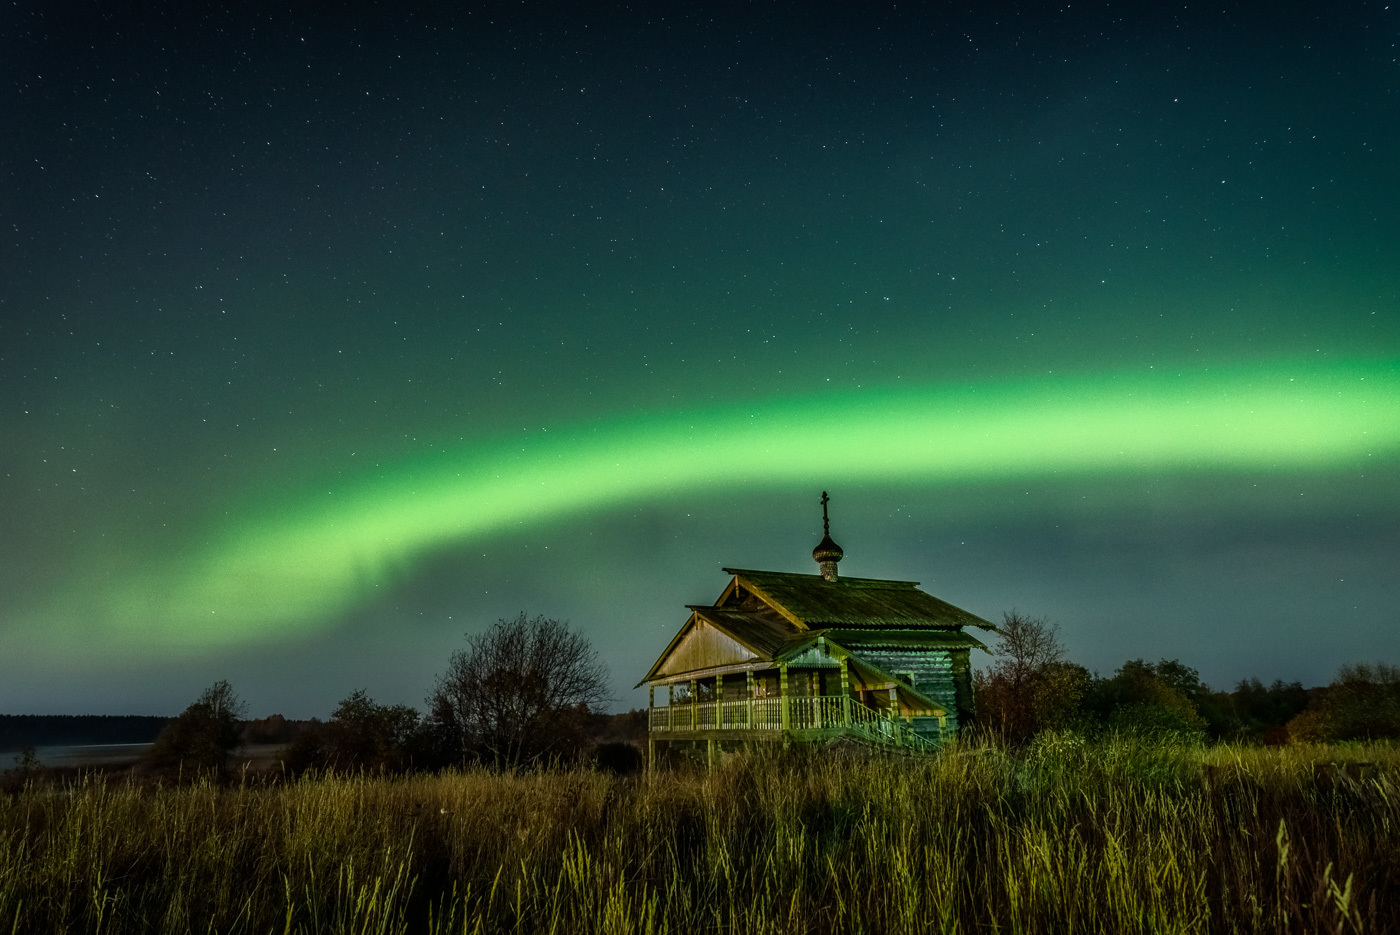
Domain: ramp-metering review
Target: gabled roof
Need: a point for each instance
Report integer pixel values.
(812, 602)
(773, 616)
(885, 638)
(764, 633)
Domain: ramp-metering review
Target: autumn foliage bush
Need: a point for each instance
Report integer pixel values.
(1362, 703)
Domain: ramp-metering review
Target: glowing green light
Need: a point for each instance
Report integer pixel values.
(296, 562)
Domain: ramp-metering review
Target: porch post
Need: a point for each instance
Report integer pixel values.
(814, 683)
(651, 729)
(749, 673)
(670, 705)
(719, 701)
(694, 701)
(845, 693)
(783, 693)
(894, 720)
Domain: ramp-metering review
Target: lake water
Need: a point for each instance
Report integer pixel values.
(120, 754)
(94, 754)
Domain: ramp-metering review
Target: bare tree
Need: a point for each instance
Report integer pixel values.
(519, 693)
(1031, 686)
(1026, 646)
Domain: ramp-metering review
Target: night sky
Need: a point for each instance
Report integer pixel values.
(328, 338)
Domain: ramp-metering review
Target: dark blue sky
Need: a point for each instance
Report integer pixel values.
(273, 281)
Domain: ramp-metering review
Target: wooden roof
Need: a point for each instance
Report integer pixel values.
(812, 602)
(769, 616)
(884, 638)
(765, 633)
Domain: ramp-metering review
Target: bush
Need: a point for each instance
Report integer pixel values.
(1150, 720)
(619, 758)
(363, 735)
(1031, 687)
(1362, 703)
(1309, 726)
(27, 769)
(1149, 701)
(200, 740)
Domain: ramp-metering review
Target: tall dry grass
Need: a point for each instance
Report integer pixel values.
(1110, 837)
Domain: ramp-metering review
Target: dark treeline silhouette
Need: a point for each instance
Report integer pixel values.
(1032, 688)
(525, 693)
(273, 729)
(365, 736)
(18, 731)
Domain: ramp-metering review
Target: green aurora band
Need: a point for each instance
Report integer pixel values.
(296, 560)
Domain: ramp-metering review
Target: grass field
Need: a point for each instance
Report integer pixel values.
(1109, 837)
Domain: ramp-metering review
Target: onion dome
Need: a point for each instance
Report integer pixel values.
(827, 553)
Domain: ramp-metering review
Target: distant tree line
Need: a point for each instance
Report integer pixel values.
(525, 693)
(18, 731)
(1032, 688)
(529, 692)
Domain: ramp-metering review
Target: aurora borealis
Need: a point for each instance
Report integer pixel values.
(326, 340)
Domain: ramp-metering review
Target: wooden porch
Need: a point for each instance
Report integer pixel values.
(780, 706)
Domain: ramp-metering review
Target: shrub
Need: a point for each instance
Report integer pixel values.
(1148, 700)
(1030, 687)
(1361, 703)
(620, 758)
(200, 740)
(363, 735)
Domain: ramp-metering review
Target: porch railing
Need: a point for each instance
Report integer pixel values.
(804, 713)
